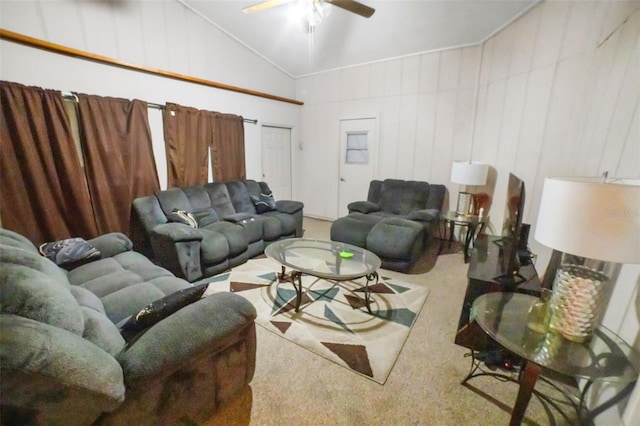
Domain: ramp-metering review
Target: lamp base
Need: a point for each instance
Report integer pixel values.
(465, 203)
(577, 301)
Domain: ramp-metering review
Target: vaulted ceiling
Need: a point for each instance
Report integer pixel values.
(397, 28)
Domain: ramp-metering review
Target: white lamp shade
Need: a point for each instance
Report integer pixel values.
(466, 173)
(589, 218)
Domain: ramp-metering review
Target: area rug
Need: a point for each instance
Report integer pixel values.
(333, 321)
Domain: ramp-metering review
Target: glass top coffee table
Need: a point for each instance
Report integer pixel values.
(330, 260)
(606, 357)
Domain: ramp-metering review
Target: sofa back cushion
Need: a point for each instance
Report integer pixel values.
(374, 191)
(402, 197)
(173, 198)
(240, 197)
(200, 205)
(31, 289)
(436, 196)
(220, 198)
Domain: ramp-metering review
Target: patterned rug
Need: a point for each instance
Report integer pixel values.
(333, 321)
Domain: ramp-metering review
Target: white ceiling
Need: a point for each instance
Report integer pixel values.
(398, 28)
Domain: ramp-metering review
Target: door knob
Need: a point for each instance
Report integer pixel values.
(341, 179)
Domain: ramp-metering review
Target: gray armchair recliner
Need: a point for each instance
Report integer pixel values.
(396, 221)
(64, 361)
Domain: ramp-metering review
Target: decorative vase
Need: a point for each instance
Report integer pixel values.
(540, 313)
(576, 304)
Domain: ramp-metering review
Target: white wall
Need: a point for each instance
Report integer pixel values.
(425, 104)
(158, 34)
(558, 94)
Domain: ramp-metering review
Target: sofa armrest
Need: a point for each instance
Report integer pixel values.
(363, 207)
(55, 361)
(176, 247)
(238, 217)
(177, 232)
(209, 325)
(426, 215)
(289, 206)
(111, 244)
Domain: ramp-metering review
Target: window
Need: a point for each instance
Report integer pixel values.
(357, 148)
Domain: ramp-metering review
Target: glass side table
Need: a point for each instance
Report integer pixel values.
(606, 357)
(474, 224)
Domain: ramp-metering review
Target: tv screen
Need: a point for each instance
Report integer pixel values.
(514, 206)
(512, 230)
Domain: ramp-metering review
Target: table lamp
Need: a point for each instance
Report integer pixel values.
(467, 173)
(595, 223)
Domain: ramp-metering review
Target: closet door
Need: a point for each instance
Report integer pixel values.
(276, 160)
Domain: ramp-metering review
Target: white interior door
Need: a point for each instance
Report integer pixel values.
(358, 160)
(276, 160)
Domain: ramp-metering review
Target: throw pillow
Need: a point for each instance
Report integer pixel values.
(264, 203)
(184, 217)
(70, 252)
(155, 312)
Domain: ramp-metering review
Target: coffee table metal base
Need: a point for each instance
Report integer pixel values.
(295, 277)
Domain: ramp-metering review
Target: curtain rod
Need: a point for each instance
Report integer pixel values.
(159, 106)
(75, 53)
(71, 95)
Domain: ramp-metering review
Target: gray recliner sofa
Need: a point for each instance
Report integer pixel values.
(64, 361)
(396, 221)
(230, 230)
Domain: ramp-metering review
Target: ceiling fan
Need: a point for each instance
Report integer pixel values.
(348, 5)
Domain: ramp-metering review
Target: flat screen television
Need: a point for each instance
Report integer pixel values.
(511, 242)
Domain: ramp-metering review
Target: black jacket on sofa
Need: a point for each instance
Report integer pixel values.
(229, 231)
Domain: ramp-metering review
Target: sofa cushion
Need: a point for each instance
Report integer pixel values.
(33, 294)
(353, 229)
(206, 216)
(236, 236)
(100, 331)
(396, 238)
(240, 197)
(173, 198)
(402, 197)
(33, 260)
(214, 247)
(271, 227)
(13, 239)
(86, 299)
(220, 198)
(287, 222)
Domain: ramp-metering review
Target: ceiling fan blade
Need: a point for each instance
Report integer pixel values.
(354, 7)
(264, 5)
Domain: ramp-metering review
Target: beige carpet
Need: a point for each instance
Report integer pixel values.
(295, 386)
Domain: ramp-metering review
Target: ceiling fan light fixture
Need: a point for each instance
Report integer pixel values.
(312, 11)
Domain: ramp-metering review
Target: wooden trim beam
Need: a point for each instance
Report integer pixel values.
(75, 53)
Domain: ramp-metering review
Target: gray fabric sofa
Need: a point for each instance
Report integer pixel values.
(64, 361)
(229, 232)
(396, 221)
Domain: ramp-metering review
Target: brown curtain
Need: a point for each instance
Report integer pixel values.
(187, 136)
(43, 194)
(227, 149)
(119, 162)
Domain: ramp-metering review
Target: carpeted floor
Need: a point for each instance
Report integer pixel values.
(295, 386)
